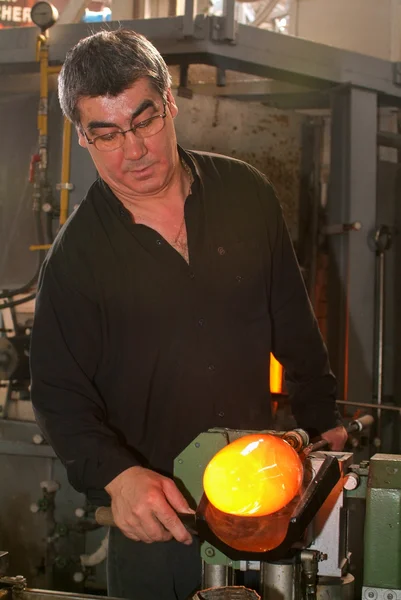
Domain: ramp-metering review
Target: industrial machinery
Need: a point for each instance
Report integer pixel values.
(14, 588)
(315, 543)
(315, 559)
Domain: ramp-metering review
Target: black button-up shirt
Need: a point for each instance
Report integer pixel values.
(135, 352)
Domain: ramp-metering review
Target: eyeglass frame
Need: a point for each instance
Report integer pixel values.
(131, 129)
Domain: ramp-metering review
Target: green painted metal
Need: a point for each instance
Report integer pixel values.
(189, 467)
(382, 556)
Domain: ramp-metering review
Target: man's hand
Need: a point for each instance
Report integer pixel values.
(336, 437)
(144, 505)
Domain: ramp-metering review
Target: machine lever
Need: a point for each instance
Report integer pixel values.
(104, 517)
(354, 426)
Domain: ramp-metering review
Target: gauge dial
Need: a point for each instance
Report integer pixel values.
(44, 15)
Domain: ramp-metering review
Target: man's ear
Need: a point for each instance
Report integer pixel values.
(172, 104)
(81, 138)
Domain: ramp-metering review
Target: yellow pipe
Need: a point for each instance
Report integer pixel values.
(65, 171)
(40, 247)
(44, 89)
(54, 70)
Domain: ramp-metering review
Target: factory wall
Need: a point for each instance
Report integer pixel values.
(267, 138)
(370, 27)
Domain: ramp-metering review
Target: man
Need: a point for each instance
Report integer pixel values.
(158, 306)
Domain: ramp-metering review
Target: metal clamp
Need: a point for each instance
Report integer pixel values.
(65, 186)
(383, 239)
(337, 228)
(17, 583)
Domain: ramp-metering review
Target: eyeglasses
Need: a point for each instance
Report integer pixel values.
(114, 140)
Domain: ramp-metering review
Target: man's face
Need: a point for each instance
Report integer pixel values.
(140, 167)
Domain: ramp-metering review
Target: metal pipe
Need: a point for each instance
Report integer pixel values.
(229, 19)
(216, 575)
(388, 139)
(380, 333)
(35, 594)
(189, 18)
(280, 580)
(383, 243)
(65, 172)
(370, 405)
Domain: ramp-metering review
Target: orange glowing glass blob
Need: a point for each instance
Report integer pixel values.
(256, 475)
(276, 376)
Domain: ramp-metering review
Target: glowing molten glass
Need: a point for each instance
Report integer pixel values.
(256, 475)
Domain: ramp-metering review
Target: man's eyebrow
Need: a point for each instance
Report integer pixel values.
(143, 106)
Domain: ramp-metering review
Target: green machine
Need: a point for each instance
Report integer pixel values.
(382, 557)
(318, 566)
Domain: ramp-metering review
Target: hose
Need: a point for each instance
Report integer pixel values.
(17, 302)
(27, 286)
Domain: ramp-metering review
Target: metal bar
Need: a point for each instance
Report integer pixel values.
(281, 580)
(352, 198)
(4, 560)
(370, 405)
(15, 448)
(388, 139)
(265, 13)
(35, 594)
(380, 339)
(229, 19)
(215, 576)
(257, 51)
(189, 18)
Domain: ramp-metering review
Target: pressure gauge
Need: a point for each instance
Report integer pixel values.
(44, 15)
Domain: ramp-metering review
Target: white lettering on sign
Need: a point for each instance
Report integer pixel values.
(26, 15)
(15, 14)
(6, 13)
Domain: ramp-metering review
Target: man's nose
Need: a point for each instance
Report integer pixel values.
(134, 147)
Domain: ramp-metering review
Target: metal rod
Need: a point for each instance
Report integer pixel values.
(229, 19)
(370, 405)
(281, 580)
(189, 18)
(214, 576)
(383, 243)
(388, 139)
(36, 594)
(380, 333)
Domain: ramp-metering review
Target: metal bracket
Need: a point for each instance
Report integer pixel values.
(65, 186)
(337, 228)
(224, 29)
(397, 73)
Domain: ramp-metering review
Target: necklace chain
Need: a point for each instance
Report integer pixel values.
(191, 179)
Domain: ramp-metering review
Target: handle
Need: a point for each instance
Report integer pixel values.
(104, 517)
(361, 423)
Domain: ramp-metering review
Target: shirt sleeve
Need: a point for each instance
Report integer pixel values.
(296, 339)
(65, 349)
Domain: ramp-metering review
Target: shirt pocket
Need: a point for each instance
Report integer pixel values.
(240, 279)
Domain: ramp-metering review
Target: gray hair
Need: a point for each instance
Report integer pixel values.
(107, 63)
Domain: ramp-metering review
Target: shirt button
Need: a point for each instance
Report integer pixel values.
(191, 275)
(201, 322)
(211, 367)
(158, 242)
(239, 278)
(221, 414)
